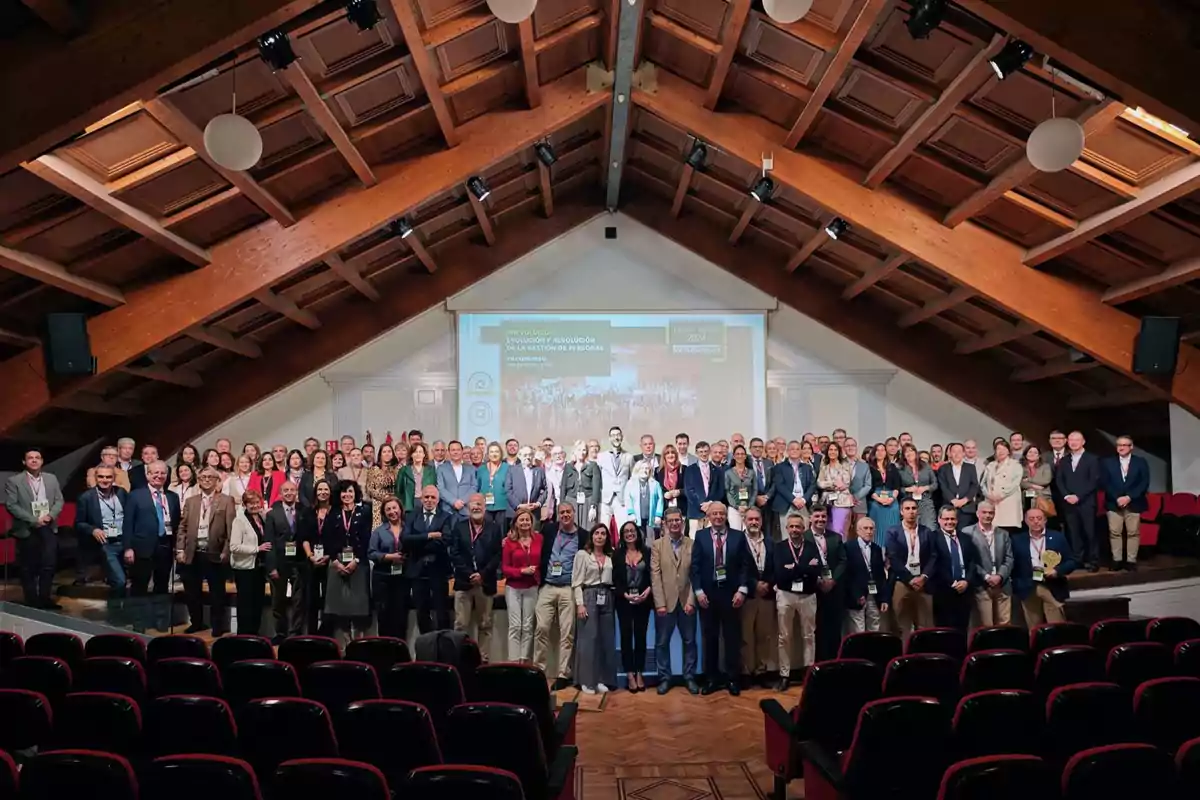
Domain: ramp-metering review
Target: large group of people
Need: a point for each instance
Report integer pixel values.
(776, 547)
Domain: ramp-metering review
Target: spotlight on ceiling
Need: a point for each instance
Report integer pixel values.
(762, 189)
(478, 187)
(276, 49)
(1014, 56)
(925, 16)
(402, 228)
(363, 13)
(837, 228)
(697, 155)
(545, 153)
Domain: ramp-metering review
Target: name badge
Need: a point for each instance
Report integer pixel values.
(826, 575)
(797, 586)
(40, 508)
(201, 542)
(918, 494)
(1031, 492)
(1039, 574)
(289, 549)
(489, 499)
(995, 571)
(319, 551)
(111, 532)
(601, 599)
(580, 498)
(347, 556)
(743, 495)
(720, 574)
(166, 530)
(556, 569)
(872, 589)
(673, 502)
(397, 569)
(914, 566)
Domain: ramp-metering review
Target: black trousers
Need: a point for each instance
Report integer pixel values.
(831, 610)
(393, 599)
(966, 518)
(290, 612)
(36, 555)
(721, 619)
(316, 598)
(500, 517)
(430, 599)
(205, 569)
(157, 566)
(634, 622)
(249, 583)
(953, 610)
(87, 555)
(1081, 531)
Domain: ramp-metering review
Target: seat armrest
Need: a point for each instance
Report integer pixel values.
(560, 783)
(776, 715)
(564, 723)
(825, 763)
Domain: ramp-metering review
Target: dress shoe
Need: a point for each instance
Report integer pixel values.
(561, 683)
(1092, 567)
(1131, 566)
(50, 605)
(693, 687)
(79, 582)
(664, 687)
(196, 628)
(711, 687)
(734, 689)
(784, 684)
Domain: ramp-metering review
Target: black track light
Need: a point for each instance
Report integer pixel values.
(762, 189)
(276, 49)
(402, 228)
(545, 153)
(925, 16)
(1015, 55)
(363, 13)
(478, 187)
(697, 155)
(837, 228)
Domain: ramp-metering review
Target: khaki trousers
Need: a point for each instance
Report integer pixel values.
(912, 609)
(554, 604)
(994, 609)
(1042, 607)
(788, 606)
(1124, 521)
(862, 620)
(759, 637)
(473, 607)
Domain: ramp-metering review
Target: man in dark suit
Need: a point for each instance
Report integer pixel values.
(98, 516)
(762, 479)
(831, 596)
(427, 560)
(721, 578)
(868, 593)
(703, 485)
(525, 486)
(1078, 478)
(958, 484)
(137, 472)
(760, 636)
(1126, 479)
(1038, 583)
(475, 554)
(287, 568)
(955, 574)
(912, 557)
(793, 485)
(148, 536)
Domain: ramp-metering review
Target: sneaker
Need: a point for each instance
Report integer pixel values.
(588, 690)
(601, 688)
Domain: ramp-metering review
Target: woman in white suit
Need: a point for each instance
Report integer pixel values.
(644, 500)
(246, 544)
(1001, 483)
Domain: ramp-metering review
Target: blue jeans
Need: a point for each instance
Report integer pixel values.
(114, 567)
(664, 627)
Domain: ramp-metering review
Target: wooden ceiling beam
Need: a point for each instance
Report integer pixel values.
(88, 403)
(931, 308)
(46, 271)
(481, 216)
(1177, 274)
(995, 338)
(167, 114)
(533, 86)
(63, 16)
(427, 71)
(1064, 365)
(421, 251)
(1178, 184)
(731, 34)
(287, 307)
(219, 337)
(874, 275)
(14, 339)
(810, 245)
(189, 379)
(968, 255)
(73, 181)
(969, 80)
(749, 209)
(1122, 397)
(352, 276)
(842, 58)
(303, 86)
(681, 189)
(1093, 119)
(547, 189)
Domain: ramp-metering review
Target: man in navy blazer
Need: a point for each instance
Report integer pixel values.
(456, 482)
(525, 485)
(702, 493)
(1126, 479)
(789, 495)
(911, 594)
(99, 514)
(722, 577)
(1041, 589)
(1078, 479)
(148, 532)
(954, 576)
(868, 591)
(425, 540)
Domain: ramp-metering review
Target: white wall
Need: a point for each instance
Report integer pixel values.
(816, 379)
(1185, 451)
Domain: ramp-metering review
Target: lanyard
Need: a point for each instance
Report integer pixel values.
(110, 506)
(796, 553)
(757, 549)
(819, 538)
(37, 486)
(160, 497)
(600, 561)
(1040, 546)
(346, 515)
(475, 532)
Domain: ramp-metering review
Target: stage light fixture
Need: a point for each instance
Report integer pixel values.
(762, 189)
(837, 228)
(925, 17)
(363, 13)
(1015, 55)
(276, 49)
(478, 187)
(402, 228)
(697, 155)
(545, 153)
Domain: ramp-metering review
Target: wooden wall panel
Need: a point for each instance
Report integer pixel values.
(1158, 239)
(379, 142)
(830, 14)
(481, 97)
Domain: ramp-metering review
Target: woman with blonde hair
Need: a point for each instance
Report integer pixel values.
(520, 559)
(240, 481)
(247, 545)
(644, 500)
(581, 483)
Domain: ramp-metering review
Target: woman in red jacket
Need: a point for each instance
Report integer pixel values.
(519, 559)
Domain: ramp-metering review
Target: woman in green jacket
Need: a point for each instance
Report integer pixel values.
(492, 473)
(414, 475)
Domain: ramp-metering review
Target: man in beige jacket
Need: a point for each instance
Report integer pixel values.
(674, 600)
(202, 550)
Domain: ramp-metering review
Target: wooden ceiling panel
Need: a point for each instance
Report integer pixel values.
(287, 137)
(296, 184)
(474, 49)
(257, 88)
(572, 52)
(121, 147)
(137, 263)
(219, 220)
(932, 180)
(829, 14)
(662, 165)
(1024, 100)
(1106, 265)
(335, 44)
(779, 50)
(1133, 154)
(781, 224)
(879, 98)
(174, 190)
(719, 194)
(552, 15)
(377, 95)
(433, 12)
(848, 139)
(935, 60)
(704, 17)
(686, 61)
(76, 236)
(25, 197)
(1017, 222)
(981, 148)
(1159, 239)
(753, 88)
(1070, 193)
(491, 89)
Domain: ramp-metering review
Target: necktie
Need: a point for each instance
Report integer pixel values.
(291, 517)
(158, 510)
(719, 554)
(429, 520)
(955, 559)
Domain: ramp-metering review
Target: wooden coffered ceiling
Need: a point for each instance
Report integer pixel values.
(207, 289)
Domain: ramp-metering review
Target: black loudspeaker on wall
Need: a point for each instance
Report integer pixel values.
(68, 350)
(1157, 346)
